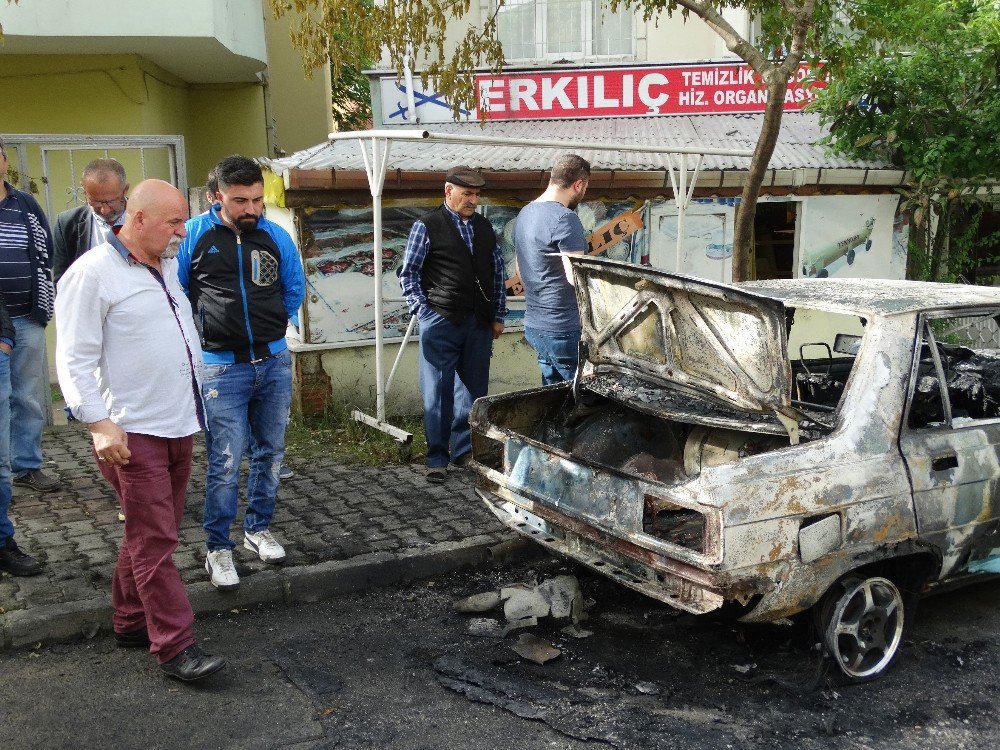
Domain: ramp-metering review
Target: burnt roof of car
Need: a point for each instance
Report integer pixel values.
(872, 296)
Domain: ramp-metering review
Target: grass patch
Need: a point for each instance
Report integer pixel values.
(333, 433)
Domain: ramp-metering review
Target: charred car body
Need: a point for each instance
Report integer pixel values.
(769, 446)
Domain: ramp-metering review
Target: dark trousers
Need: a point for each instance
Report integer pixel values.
(147, 590)
(454, 372)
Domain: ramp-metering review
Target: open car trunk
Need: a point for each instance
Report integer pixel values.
(676, 376)
(674, 346)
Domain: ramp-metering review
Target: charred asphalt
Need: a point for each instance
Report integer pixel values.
(399, 668)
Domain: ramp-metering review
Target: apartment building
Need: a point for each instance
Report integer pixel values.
(577, 72)
(166, 88)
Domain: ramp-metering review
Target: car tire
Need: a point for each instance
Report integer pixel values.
(862, 620)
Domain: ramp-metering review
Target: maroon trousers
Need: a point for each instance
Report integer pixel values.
(147, 590)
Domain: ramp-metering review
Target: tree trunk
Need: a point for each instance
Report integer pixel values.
(743, 229)
(938, 231)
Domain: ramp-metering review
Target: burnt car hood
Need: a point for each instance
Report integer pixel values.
(679, 332)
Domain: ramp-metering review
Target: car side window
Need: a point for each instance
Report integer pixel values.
(958, 371)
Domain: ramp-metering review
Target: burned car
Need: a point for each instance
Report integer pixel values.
(766, 447)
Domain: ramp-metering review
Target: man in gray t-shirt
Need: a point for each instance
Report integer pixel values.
(543, 229)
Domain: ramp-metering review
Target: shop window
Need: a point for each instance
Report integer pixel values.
(563, 30)
(774, 240)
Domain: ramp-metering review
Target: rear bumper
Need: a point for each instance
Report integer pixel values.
(669, 581)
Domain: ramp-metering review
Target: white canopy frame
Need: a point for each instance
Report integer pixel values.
(375, 146)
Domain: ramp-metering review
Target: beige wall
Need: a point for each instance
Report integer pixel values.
(225, 119)
(76, 93)
(662, 39)
(129, 95)
(301, 107)
(199, 40)
(351, 373)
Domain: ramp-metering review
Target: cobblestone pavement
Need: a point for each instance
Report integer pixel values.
(327, 512)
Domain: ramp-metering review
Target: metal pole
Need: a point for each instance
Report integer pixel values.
(402, 348)
(375, 168)
(681, 199)
(417, 134)
(411, 104)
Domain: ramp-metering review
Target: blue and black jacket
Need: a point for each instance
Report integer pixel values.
(243, 288)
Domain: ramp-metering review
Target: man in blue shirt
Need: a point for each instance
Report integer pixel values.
(452, 278)
(544, 231)
(244, 278)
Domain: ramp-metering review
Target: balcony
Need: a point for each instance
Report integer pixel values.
(199, 41)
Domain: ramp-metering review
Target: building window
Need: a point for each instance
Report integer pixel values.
(563, 29)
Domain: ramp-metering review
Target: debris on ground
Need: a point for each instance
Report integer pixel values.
(535, 649)
(648, 688)
(520, 622)
(520, 602)
(575, 631)
(478, 602)
(558, 598)
(486, 627)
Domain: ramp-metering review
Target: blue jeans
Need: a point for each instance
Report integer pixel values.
(558, 353)
(6, 528)
(29, 382)
(454, 372)
(245, 403)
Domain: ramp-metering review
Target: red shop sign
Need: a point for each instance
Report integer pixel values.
(711, 88)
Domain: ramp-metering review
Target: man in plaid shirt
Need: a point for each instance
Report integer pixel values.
(452, 278)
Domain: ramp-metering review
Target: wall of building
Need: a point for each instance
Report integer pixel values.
(301, 107)
(661, 39)
(76, 93)
(348, 375)
(676, 39)
(198, 40)
(225, 119)
(129, 95)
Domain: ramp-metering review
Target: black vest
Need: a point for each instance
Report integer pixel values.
(456, 282)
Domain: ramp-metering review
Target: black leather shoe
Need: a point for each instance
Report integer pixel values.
(133, 639)
(192, 664)
(37, 480)
(15, 562)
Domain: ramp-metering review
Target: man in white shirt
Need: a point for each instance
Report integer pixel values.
(127, 356)
(79, 229)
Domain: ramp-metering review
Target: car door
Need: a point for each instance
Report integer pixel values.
(950, 438)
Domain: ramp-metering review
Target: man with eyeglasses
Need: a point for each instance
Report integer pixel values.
(79, 229)
(27, 291)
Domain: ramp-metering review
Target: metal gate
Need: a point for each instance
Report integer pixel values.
(49, 166)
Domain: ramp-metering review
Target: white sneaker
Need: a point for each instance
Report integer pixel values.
(265, 545)
(219, 565)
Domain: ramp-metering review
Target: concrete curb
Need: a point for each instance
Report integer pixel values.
(288, 586)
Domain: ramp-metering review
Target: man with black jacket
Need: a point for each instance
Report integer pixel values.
(244, 278)
(79, 229)
(452, 278)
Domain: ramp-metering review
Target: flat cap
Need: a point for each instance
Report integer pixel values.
(465, 176)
